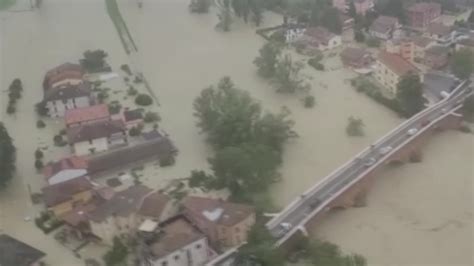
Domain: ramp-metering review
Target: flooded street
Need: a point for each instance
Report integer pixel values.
(416, 214)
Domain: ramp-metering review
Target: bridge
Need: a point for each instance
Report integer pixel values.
(348, 184)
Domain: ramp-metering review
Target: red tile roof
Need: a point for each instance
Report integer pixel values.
(396, 63)
(154, 205)
(62, 192)
(74, 162)
(96, 130)
(217, 211)
(85, 114)
(320, 34)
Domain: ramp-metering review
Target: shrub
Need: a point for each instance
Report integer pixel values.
(14, 95)
(143, 100)
(138, 79)
(314, 62)
(373, 42)
(115, 107)
(167, 161)
(59, 141)
(125, 68)
(40, 124)
(62, 132)
(102, 96)
(132, 91)
(151, 117)
(126, 79)
(39, 154)
(11, 109)
(465, 129)
(135, 131)
(309, 101)
(38, 164)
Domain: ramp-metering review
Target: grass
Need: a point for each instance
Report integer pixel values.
(122, 29)
(5, 4)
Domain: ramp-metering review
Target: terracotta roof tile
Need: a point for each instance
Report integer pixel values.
(154, 204)
(59, 193)
(94, 131)
(74, 162)
(85, 114)
(396, 63)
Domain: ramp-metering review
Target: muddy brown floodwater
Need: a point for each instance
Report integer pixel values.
(417, 214)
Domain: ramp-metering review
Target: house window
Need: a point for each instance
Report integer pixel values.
(176, 257)
(198, 246)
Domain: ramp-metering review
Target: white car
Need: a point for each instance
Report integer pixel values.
(385, 150)
(370, 162)
(412, 131)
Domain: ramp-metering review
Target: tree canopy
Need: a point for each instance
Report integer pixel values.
(288, 78)
(393, 8)
(355, 126)
(410, 94)
(7, 157)
(267, 60)
(117, 255)
(248, 142)
(462, 63)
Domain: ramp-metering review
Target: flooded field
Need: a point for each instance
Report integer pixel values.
(417, 214)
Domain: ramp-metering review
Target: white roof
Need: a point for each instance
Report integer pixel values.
(214, 214)
(148, 226)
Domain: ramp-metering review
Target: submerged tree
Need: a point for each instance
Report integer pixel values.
(7, 157)
(462, 63)
(410, 94)
(225, 17)
(246, 9)
(355, 127)
(267, 59)
(288, 77)
(117, 255)
(200, 6)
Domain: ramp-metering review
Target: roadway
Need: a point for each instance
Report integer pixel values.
(319, 196)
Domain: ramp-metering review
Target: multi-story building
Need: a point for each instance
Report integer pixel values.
(390, 69)
(224, 223)
(420, 15)
(384, 27)
(175, 242)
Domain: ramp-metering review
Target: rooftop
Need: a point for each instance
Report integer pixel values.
(176, 233)
(438, 50)
(74, 162)
(217, 211)
(353, 53)
(63, 68)
(131, 115)
(85, 114)
(438, 29)
(396, 63)
(67, 91)
(59, 193)
(122, 203)
(153, 205)
(383, 24)
(16, 253)
(424, 7)
(320, 34)
(95, 130)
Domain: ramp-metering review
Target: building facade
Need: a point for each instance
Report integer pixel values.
(390, 69)
(420, 15)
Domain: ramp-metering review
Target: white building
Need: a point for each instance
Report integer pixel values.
(65, 97)
(176, 242)
(97, 137)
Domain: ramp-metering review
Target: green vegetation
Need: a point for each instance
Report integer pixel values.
(5, 4)
(59, 141)
(39, 154)
(199, 6)
(374, 92)
(468, 108)
(267, 60)
(288, 78)
(410, 95)
(40, 124)
(393, 8)
(14, 94)
(132, 91)
(372, 42)
(135, 131)
(120, 25)
(143, 100)
(114, 107)
(38, 164)
(315, 63)
(248, 143)
(252, 9)
(259, 249)
(47, 222)
(355, 127)
(225, 16)
(125, 68)
(7, 157)
(462, 63)
(309, 101)
(117, 255)
(151, 117)
(94, 61)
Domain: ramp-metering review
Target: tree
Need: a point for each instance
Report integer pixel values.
(410, 94)
(38, 164)
(151, 117)
(117, 255)
(143, 100)
(257, 12)
(94, 61)
(267, 60)
(259, 250)
(309, 101)
(462, 63)
(355, 127)
(468, 107)
(39, 154)
(359, 36)
(200, 6)
(352, 9)
(225, 17)
(394, 8)
(248, 8)
(471, 17)
(7, 157)
(331, 20)
(288, 76)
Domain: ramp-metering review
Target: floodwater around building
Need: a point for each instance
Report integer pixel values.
(416, 214)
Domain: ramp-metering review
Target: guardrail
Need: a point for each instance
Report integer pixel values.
(402, 127)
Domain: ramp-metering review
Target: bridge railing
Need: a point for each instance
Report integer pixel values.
(402, 127)
(325, 204)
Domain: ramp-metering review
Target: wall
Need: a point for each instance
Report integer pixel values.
(387, 77)
(58, 108)
(235, 235)
(66, 175)
(180, 257)
(83, 147)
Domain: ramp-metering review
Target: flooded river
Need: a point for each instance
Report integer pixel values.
(417, 214)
